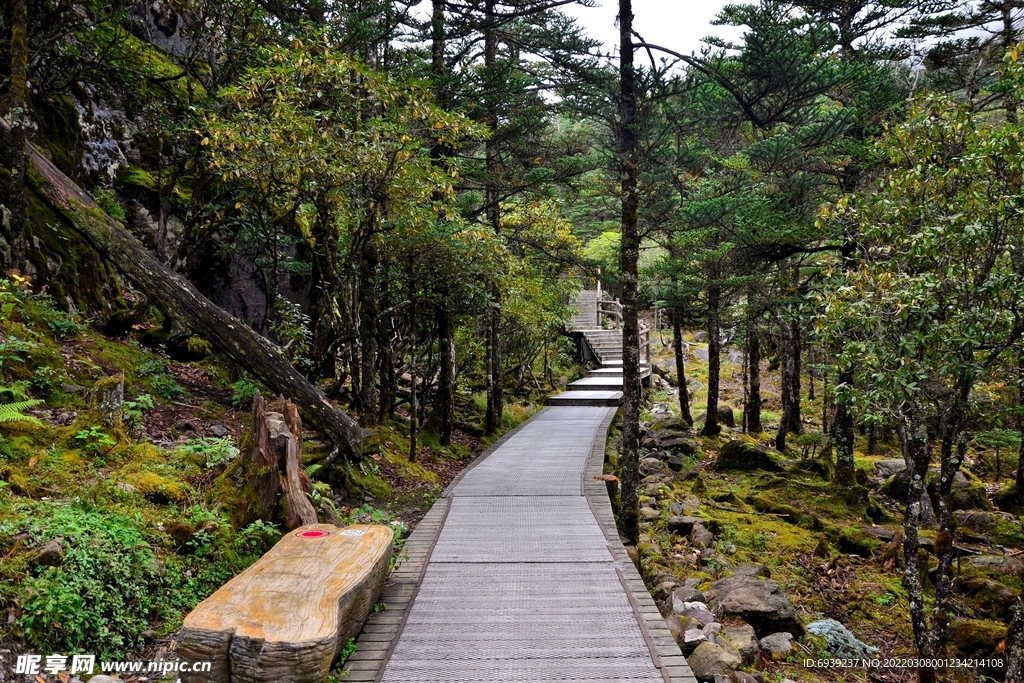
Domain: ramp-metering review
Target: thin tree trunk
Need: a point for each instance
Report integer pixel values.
(629, 507)
(19, 130)
(495, 369)
(413, 415)
(178, 298)
(796, 423)
(752, 409)
(786, 385)
(1015, 645)
(1019, 479)
(844, 430)
(443, 415)
(369, 312)
(677, 346)
(711, 426)
(915, 452)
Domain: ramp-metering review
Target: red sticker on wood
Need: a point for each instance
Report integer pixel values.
(313, 533)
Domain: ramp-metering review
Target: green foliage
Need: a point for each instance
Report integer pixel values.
(14, 412)
(243, 392)
(291, 326)
(165, 387)
(93, 439)
(213, 451)
(134, 409)
(110, 205)
(100, 598)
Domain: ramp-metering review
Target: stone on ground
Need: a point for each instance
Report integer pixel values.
(777, 646)
(710, 659)
(760, 603)
(841, 641)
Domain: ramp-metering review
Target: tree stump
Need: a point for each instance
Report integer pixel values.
(285, 618)
(106, 401)
(269, 471)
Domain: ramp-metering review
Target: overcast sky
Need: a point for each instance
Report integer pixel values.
(676, 24)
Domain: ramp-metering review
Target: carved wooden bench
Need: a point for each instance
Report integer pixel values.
(285, 618)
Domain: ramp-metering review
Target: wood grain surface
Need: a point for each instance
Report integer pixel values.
(284, 619)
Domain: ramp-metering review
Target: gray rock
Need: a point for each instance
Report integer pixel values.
(976, 521)
(999, 563)
(700, 353)
(185, 425)
(710, 659)
(777, 646)
(664, 589)
(712, 628)
(690, 503)
(693, 638)
(218, 430)
(742, 636)
(879, 532)
(702, 617)
(700, 336)
(677, 444)
(50, 555)
(683, 524)
(758, 570)
(694, 385)
(744, 456)
(648, 465)
(649, 514)
(887, 468)
(659, 409)
(841, 642)
(759, 602)
(683, 595)
(104, 679)
(701, 537)
(787, 680)
(736, 357)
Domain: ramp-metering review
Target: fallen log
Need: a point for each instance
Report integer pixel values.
(179, 299)
(286, 617)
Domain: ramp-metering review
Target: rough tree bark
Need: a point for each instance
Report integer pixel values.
(677, 347)
(178, 298)
(442, 418)
(752, 408)
(19, 134)
(843, 430)
(629, 505)
(495, 370)
(711, 426)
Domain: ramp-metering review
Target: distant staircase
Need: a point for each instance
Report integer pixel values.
(602, 386)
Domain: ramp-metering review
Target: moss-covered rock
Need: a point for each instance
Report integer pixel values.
(740, 455)
(855, 541)
(977, 639)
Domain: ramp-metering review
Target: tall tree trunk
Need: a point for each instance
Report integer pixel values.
(386, 363)
(1019, 479)
(323, 290)
(677, 346)
(629, 253)
(19, 130)
(796, 423)
(711, 426)
(752, 409)
(786, 385)
(495, 370)
(1009, 38)
(413, 413)
(913, 437)
(443, 414)
(369, 313)
(178, 298)
(843, 429)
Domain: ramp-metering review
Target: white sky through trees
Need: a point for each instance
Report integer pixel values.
(676, 24)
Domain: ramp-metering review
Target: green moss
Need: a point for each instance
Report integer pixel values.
(855, 541)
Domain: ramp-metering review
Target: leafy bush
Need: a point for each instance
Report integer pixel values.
(108, 202)
(101, 596)
(165, 387)
(213, 450)
(135, 408)
(243, 392)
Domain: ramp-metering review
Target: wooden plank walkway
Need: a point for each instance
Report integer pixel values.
(517, 574)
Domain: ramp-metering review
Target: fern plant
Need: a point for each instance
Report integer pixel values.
(13, 412)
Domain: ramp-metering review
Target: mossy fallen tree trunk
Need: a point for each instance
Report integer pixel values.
(177, 297)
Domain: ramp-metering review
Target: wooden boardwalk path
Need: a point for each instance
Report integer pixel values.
(517, 574)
